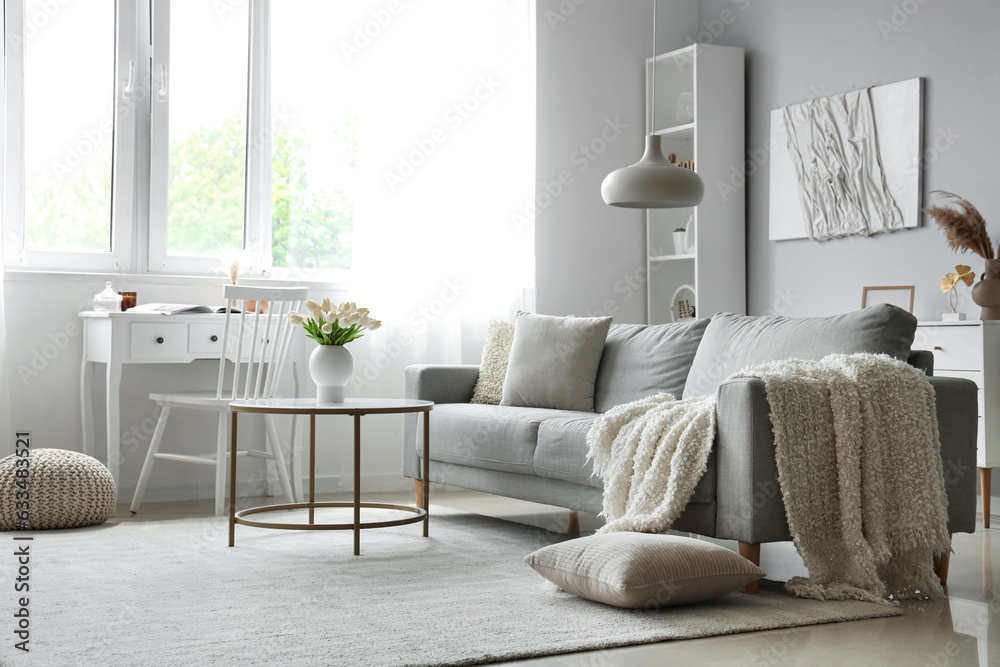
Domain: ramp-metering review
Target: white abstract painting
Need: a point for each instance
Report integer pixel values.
(847, 164)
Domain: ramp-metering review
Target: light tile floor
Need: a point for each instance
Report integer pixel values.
(962, 630)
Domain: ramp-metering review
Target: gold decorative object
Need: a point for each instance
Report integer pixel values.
(950, 282)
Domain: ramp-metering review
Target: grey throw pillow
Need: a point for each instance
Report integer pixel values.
(640, 570)
(733, 342)
(554, 360)
(643, 360)
(493, 367)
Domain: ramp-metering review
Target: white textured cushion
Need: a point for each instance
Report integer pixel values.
(641, 570)
(554, 361)
(493, 367)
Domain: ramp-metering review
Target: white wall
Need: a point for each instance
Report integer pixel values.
(590, 257)
(799, 50)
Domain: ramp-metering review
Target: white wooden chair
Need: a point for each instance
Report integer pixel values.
(262, 343)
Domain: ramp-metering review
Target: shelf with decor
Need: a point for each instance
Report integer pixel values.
(698, 112)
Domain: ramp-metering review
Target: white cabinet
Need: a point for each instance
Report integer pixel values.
(699, 113)
(971, 350)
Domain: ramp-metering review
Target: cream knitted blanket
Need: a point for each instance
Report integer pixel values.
(859, 465)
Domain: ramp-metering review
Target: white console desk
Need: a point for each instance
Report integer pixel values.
(971, 349)
(115, 339)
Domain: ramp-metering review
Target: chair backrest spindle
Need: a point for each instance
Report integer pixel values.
(267, 351)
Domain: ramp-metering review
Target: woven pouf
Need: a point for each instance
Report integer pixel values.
(65, 490)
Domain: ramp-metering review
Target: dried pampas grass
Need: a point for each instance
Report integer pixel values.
(965, 228)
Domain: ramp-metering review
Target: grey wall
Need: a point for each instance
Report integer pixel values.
(590, 257)
(808, 48)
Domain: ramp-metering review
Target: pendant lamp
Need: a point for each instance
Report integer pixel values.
(653, 182)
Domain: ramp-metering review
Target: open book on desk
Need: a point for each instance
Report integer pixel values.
(176, 309)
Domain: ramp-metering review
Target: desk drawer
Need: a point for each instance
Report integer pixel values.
(956, 348)
(159, 341)
(206, 340)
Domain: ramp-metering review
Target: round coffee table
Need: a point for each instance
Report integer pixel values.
(356, 407)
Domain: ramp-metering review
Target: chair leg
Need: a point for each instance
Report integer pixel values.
(147, 465)
(986, 477)
(279, 458)
(752, 553)
(941, 564)
(221, 459)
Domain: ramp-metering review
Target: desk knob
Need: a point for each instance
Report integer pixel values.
(938, 347)
(215, 339)
(160, 340)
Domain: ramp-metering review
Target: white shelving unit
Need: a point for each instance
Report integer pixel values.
(711, 77)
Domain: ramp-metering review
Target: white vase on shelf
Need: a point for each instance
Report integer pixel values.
(330, 367)
(691, 236)
(680, 243)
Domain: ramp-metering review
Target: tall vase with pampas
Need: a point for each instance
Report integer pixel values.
(965, 229)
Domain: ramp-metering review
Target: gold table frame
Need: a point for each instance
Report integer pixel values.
(352, 407)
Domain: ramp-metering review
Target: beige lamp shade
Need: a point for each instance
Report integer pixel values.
(653, 182)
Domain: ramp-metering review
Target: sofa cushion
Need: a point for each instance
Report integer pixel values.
(562, 454)
(562, 450)
(486, 436)
(553, 361)
(733, 342)
(641, 361)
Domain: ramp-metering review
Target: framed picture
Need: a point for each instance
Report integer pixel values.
(901, 296)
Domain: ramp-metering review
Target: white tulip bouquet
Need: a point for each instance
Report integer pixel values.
(334, 325)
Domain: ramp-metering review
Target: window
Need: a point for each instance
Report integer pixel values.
(59, 140)
(198, 156)
(154, 136)
(314, 132)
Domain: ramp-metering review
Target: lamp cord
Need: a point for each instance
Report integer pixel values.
(652, 112)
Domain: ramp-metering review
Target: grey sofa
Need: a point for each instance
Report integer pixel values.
(540, 455)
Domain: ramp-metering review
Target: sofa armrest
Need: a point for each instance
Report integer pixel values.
(958, 427)
(750, 508)
(438, 383)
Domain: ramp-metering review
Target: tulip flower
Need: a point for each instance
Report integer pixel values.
(313, 306)
(327, 328)
(295, 318)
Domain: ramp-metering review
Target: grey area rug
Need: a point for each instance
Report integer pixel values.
(172, 593)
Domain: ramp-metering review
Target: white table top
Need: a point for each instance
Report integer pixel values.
(352, 406)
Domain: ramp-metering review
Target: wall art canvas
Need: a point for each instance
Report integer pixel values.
(847, 164)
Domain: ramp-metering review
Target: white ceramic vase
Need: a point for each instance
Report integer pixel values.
(330, 367)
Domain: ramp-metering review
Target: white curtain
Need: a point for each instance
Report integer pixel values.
(443, 238)
(6, 433)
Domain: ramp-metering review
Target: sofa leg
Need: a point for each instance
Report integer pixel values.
(986, 477)
(573, 523)
(752, 553)
(418, 484)
(941, 565)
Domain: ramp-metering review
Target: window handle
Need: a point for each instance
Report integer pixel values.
(162, 92)
(130, 82)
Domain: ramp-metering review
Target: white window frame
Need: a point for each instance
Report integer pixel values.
(257, 177)
(138, 236)
(120, 255)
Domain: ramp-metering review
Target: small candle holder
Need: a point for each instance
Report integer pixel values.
(128, 300)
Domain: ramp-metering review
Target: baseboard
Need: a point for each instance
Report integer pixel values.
(378, 483)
